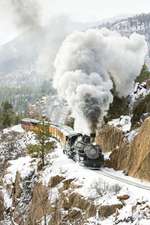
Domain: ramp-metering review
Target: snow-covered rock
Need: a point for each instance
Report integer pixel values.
(124, 123)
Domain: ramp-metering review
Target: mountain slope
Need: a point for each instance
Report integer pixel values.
(127, 25)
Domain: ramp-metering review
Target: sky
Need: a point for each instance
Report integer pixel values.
(80, 10)
(88, 10)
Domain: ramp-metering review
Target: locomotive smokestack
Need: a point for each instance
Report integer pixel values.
(92, 136)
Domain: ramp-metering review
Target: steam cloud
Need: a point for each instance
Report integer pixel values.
(86, 64)
(26, 12)
(55, 32)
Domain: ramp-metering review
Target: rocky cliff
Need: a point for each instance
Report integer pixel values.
(139, 157)
(134, 156)
(112, 139)
(64, 192)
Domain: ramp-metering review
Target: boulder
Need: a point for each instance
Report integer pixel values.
(107, 210)
(67, 183)
(123, 197)
(74, 214)
(54, 181)
(75, 200)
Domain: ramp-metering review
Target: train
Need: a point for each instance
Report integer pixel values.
(75, 145)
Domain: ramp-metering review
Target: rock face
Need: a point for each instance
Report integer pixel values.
(39, 205)
(69, 207)
(139, 158)
(63, 201)
(17, 188)
(1, 206)
(111, 139)
(132, 157)
(55, 180)
(107, 210)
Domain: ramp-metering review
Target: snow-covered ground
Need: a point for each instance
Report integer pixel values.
(23, 165)
(86, 177)
(92, 184)
(96, 186)
(124, 123)
(140, 90)
(16, 128)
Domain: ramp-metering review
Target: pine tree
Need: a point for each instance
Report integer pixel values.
(7, 114)
(44, 144)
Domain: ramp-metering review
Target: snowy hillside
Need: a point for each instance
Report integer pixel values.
(66, 192)
(77, 195)
(127, 25)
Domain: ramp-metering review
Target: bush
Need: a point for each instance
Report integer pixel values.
(33, 150)
(7, 115)
(44, 145)
(104, 188)
(36, 150)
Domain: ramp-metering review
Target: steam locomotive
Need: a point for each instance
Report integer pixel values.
(75, 145)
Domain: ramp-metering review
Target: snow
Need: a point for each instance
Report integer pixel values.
(93, 184)
(107, 155)
(7, 199)
(120, 174)
(144, 222)
(22, 165)
(124, 123)
(140, 90)
(53, 195)
(48, 218)
(131, 135)
(16, 128)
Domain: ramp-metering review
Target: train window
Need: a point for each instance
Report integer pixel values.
(72, 139)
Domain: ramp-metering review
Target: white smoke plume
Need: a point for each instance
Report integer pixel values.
(26, 12)
(86, 64)
(55, 32)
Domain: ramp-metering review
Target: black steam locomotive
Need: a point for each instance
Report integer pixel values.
(81, 149)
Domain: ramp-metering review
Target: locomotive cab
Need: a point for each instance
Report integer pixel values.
(69, 146)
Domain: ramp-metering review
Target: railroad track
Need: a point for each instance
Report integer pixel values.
(125, 181)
